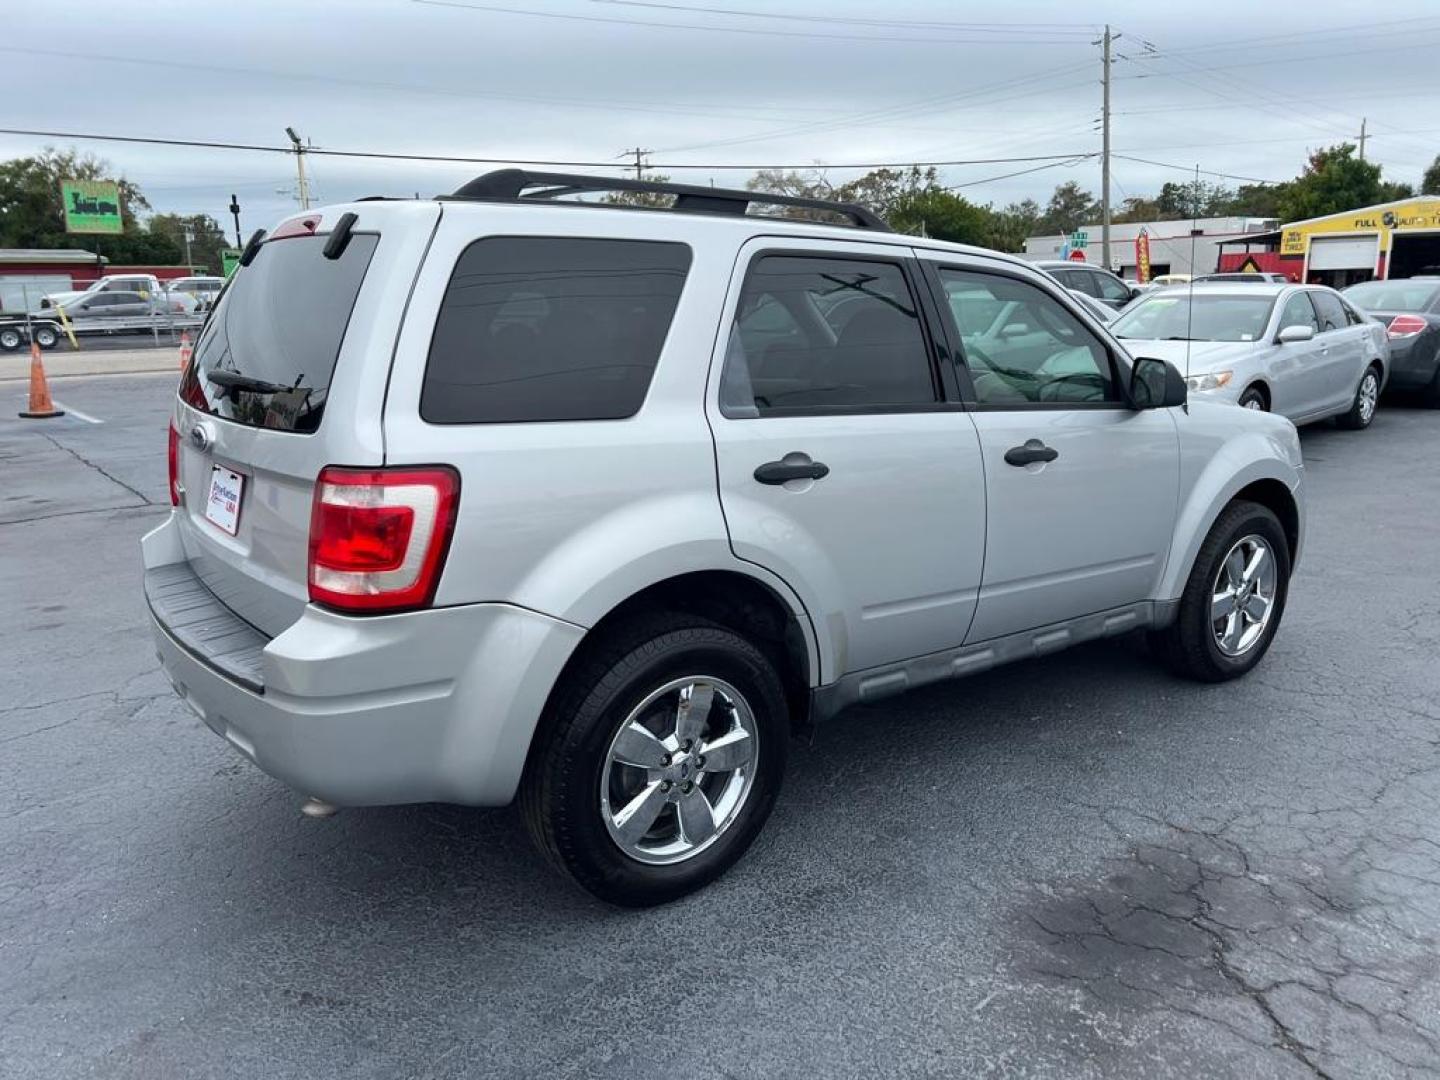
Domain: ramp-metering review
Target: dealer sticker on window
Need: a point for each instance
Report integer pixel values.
(222, 508)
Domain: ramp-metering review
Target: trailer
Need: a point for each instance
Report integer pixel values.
(17, 331)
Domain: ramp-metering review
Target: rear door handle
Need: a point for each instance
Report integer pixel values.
(1033, 450)
(777, 472)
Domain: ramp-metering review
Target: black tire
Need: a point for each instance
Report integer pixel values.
(45, 337)
(1357, 419)
(11, 339)
(1188, 646)
(560, 795)
(1254, 398)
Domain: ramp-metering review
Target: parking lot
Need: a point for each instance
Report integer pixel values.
(1075, 867)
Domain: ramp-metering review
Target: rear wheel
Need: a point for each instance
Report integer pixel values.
(45, 337)
(1234, 597)
(662, 755)
(1254, 398)
(1367, 396)
(10, 339)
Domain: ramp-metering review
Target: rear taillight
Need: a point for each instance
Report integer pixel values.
(1403, 326)
(378, 537)
(172, 459)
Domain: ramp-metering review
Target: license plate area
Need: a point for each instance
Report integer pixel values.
(223, 497)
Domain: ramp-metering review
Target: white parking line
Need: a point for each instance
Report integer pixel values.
(77, 413)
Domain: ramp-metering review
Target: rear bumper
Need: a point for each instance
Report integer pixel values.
(1413, 363)
(428, 706)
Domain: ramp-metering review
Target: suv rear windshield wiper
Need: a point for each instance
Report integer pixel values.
(233, 380)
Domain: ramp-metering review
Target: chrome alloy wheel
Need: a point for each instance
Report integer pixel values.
(679, 770)
(1369, 395)
(1256, 404)
(1243, 597)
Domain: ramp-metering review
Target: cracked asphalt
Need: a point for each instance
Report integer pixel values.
(1074, 867)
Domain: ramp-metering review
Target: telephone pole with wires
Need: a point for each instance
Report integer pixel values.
(1363, 137)
(1105, 42)
(303, 191)
(640, 164)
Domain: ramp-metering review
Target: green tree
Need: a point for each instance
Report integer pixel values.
(1010, 227)
(209, 237)
(942, 215)
(1430, 182)
(1258, 200)
(1070, 206)
(31, 211)
(637, 198)
(1334, 179)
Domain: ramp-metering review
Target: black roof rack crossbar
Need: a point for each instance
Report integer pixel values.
(509, 184)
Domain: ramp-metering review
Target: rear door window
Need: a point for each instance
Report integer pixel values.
(1111, 288)
(267, 354)
(551, 328)
(1330, 310)
(851, 341)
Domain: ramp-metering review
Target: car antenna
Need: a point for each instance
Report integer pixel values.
(1190, 285)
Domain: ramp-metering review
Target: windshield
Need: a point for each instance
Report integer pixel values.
(1403, 295)
(266, 356)
(1169, 317)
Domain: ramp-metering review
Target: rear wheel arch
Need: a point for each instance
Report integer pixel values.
(728, 598)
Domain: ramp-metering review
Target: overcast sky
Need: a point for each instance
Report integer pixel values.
(1236, 86)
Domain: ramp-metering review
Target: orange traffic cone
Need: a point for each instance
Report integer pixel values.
(41, 406)
(184, 349)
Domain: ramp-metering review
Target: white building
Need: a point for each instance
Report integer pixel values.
(1173, 248)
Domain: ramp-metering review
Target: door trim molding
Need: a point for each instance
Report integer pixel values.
(874, 684)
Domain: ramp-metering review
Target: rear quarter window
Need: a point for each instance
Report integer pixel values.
(551, 328)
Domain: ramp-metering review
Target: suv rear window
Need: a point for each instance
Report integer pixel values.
(551, 328)
(266, 356)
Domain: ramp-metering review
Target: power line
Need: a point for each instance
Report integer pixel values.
(1083, 29)
(462, 160)
(753, 31)
(1022, 172)
(1192, 168)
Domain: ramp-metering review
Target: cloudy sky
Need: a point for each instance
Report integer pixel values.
(1236, 86)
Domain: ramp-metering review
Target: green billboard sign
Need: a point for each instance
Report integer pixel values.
(229, 260)
(92, 206)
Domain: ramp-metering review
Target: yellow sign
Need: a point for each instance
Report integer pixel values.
(1415, 214)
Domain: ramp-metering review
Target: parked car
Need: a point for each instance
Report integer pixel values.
(1098, 310)
(108, 308)
(1410, 310)
(1163, 280)
(146, 284)
(1091, 280)
(595, 506)
(1245, 277)
(204, 290)
(1298, 350)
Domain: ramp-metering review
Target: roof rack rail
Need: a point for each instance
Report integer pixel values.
(512, 184)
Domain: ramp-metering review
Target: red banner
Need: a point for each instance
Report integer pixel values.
(1142, 257)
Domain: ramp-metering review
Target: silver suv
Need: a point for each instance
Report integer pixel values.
(506, 493)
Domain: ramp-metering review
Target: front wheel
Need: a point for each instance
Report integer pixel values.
(661, 758)
(1234, 597)
(1362, 409)
(1253, 398)
(45, 337)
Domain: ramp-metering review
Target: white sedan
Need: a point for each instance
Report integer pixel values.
(1298, 350)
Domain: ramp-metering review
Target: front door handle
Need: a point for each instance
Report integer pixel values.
(1033, 450)
(777, 472)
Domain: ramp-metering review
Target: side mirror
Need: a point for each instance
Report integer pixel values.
(1298, 332)
(1155, 384)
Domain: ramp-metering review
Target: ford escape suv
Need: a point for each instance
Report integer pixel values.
(510, 494)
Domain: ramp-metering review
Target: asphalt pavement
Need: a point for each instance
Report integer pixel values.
(1075, 867)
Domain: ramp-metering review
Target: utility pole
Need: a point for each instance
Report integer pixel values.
(304, 189)
(1362, 138)
(1105, 155)
(639, 161)
(235, 213)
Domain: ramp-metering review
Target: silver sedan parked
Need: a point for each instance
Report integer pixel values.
(1299, 350)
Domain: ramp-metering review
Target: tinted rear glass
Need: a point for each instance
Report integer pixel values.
(1400, 295)
(279, 329)
(551, 328)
